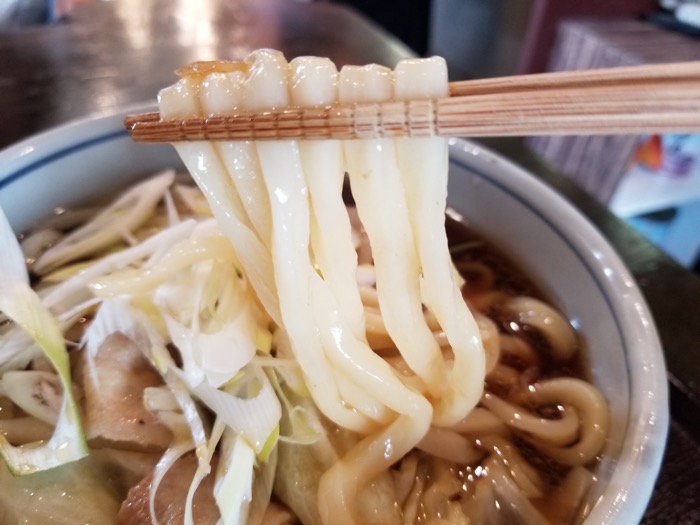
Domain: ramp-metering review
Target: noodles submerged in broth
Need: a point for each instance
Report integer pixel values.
(255, 349)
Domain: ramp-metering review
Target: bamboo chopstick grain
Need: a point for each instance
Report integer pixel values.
(628, 75)
(631, 100)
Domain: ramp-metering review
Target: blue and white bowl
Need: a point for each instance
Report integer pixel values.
(553, 243)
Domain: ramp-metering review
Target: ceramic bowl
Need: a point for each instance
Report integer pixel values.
(563, 253)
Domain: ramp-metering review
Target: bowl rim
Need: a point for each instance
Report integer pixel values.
(34, 151)
(642, 450)
(644, 442)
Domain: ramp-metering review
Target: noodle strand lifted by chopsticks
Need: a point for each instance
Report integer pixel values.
(281, 204)
(356, 396)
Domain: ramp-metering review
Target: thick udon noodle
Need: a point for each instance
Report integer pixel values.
(379, 367)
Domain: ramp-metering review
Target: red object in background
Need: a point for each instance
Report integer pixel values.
(672, 155)
(650, 153)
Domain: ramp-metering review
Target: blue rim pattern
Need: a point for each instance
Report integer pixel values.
(57, 155)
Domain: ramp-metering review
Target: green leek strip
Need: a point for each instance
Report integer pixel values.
(263, 483)
(269, 446)
(178, 449)
(21, 304)
(161, 401)
(304, 428)
(184, 254)
(62, 295)
(203, 469)
(255, 418)
(117, 221)
(12, 265)
(36, 392)
(234, 488)
(16, 350)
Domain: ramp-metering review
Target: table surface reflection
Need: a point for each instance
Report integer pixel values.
(112, 53)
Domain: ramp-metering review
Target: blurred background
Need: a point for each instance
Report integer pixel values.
(652, 182)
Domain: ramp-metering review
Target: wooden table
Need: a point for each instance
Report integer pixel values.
(123, 51)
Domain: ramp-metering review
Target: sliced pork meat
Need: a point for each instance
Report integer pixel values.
(170, 498)
(114, 408)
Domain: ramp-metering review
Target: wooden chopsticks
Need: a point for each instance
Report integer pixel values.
(627, 75)
(662, 98)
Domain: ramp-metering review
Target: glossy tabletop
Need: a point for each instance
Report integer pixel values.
(111, 53)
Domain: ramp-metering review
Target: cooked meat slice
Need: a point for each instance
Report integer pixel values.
(114, 409)
(276, 514)
(170, 498)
